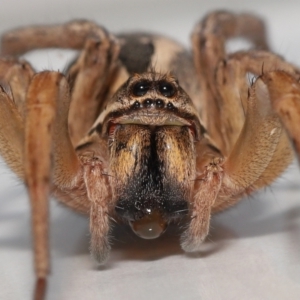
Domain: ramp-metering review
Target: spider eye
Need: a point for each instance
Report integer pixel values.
(166, 89)
(141, 88)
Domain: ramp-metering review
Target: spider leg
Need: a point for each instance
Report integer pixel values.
(90, 77)
(81, 178)
(99, 194)
(284, 91)
(222, 182)
(232, 84)
(257, 142)
(15, 77)
(46, 135)
(240, 119)
(27, 148)
(73, 180)
(208, 41)
(251, 154)
(11, 133)
(71, 35)
(207, 187)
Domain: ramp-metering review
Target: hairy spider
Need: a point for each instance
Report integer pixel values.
(144, 131)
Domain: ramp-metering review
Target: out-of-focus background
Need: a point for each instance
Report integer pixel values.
(253, 250)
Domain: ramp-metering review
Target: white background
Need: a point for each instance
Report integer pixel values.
(253, 251)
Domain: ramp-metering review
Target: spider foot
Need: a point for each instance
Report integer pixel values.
(100, 249)
(194, 236)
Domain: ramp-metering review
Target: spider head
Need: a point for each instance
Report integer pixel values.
(151, 126)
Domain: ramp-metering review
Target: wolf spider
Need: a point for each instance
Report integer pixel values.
(144, 131)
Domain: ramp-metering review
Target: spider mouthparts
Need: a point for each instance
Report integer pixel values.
(151, 226)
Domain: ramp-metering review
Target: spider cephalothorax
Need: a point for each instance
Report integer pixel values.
(117, 139)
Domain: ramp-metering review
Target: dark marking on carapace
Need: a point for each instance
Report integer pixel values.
(136, 52)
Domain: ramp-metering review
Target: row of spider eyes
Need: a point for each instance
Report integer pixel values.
(158, 103)
(165, 88)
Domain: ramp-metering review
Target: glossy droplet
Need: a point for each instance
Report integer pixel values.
(151, 226)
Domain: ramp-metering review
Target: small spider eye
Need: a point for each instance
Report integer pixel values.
(148, 103)
(170, 106)
(166, 89)
(136, 105)
(159, 103)
(141, 88)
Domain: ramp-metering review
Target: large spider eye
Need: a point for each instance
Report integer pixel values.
(141, 88)
(166, 88)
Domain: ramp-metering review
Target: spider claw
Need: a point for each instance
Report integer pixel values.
(190, 242)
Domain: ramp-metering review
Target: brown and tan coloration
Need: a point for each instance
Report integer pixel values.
(113, 138)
